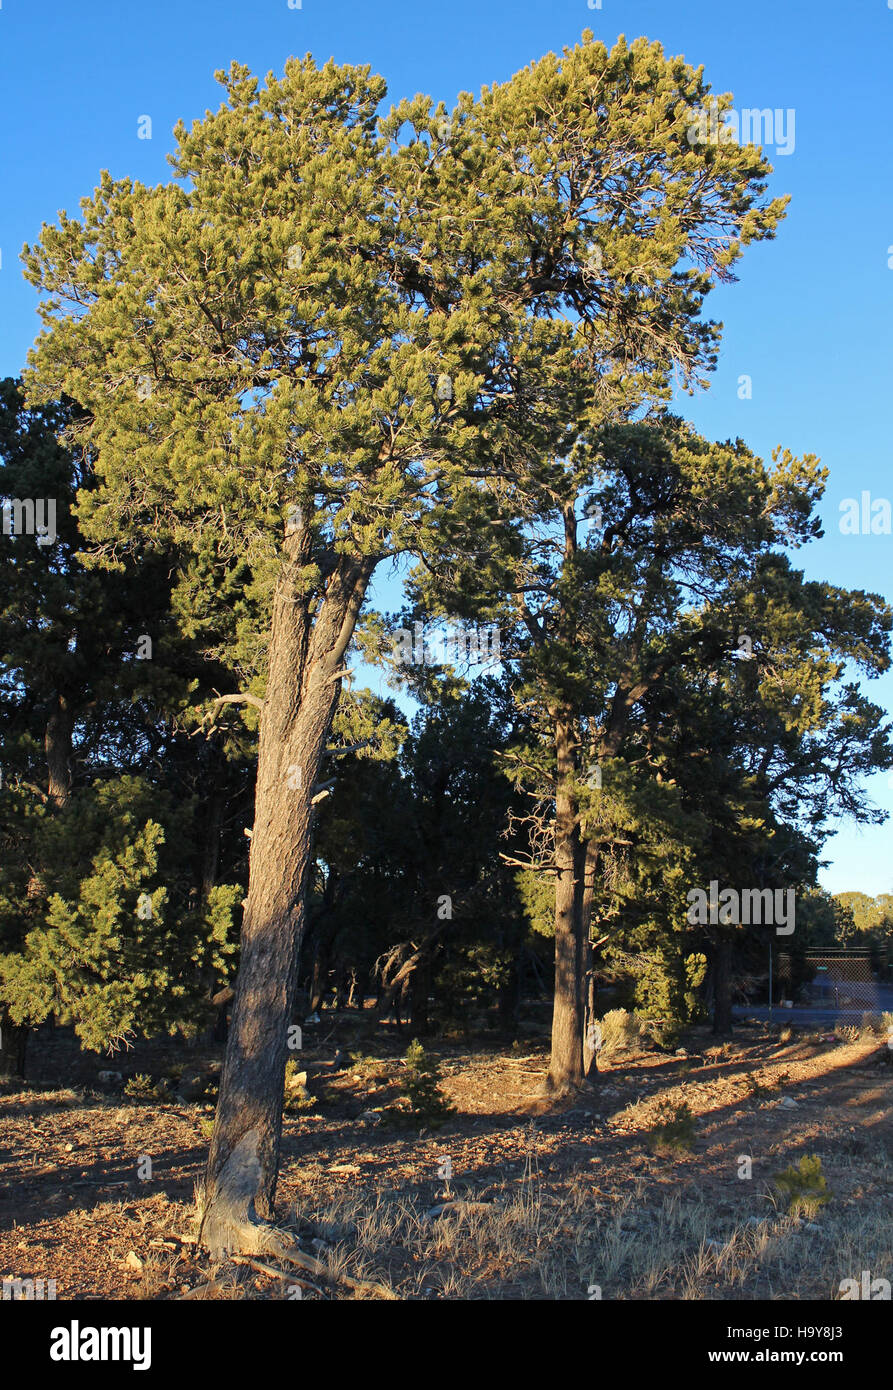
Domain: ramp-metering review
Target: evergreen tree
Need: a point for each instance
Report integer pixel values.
(314, 344)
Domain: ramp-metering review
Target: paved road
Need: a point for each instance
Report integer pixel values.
(882, 1002)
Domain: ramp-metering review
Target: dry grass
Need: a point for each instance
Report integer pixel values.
(568, 1204)
(535, 1245)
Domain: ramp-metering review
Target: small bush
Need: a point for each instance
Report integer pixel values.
(141, 1087)
(755, 1086)
(421, 1096)
(674, 1132)
(620, 1032)
(805, 1188)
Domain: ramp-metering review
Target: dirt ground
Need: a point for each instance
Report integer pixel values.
(510, 1199)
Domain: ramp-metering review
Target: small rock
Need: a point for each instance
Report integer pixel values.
(109, 1077)
(70, 1148)
(133, 1261)
(370, 1117)
(786, 1103)
(681, 1052)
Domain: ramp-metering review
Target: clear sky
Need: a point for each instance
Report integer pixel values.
(808, 322)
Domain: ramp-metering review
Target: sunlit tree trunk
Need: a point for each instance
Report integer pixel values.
(302, 691)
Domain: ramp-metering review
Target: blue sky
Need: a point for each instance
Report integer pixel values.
(808, 321)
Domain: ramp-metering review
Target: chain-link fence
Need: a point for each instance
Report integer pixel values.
(840, 979)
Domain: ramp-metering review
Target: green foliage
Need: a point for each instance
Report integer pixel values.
(249, 356)
(142, 1087)
(423, 1101)
(805, 1187)
(674, 1132)
(537, 894)
(120, 948)
(667, 983)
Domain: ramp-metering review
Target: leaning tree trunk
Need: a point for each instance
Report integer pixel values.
(303, 684)
(13, 1042)
(566, 1063)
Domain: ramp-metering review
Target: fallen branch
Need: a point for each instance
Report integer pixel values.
(274, 1273)
(288, 1251)
(200, 1289)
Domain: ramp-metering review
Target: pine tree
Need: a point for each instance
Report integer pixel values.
(260, 350)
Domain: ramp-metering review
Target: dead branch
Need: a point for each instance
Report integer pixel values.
(286, 1250)
(246, 699)
(274, 1273)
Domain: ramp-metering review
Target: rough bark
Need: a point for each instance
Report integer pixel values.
(566, 1062)
(58, 747)
(303, 684)
(590, 868)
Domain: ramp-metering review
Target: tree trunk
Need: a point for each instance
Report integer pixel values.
(358, 983)
(303, 684)
(566, 1064)
(57, 745)
(722, 987)
(13, 1042)
(509, 997)
(590, 868)
(419, 984)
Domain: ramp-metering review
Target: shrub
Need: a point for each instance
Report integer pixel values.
(140, 1087)
(620, 1031)
(674, 1132)
(423, 1100)
(805, 1187)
